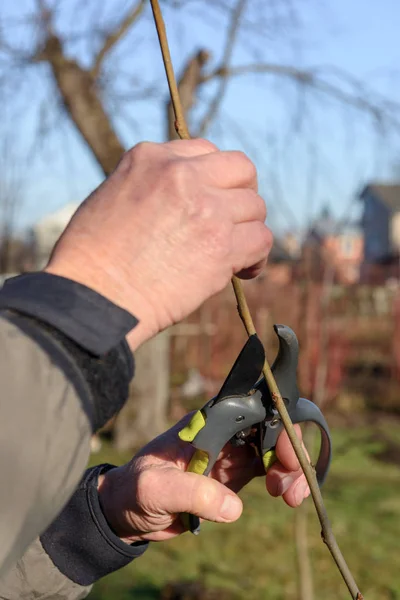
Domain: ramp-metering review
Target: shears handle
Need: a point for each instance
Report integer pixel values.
(307, 411)
(212, 427)
(304, 411)
(201, 465)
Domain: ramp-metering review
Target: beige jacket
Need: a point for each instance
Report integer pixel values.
(44, 448)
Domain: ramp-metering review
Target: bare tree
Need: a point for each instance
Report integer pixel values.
(12, 247)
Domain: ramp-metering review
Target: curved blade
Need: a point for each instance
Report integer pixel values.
(246, 370)
(285, 365)
(284, 369)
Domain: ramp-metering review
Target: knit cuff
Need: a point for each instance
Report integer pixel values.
(80, 542)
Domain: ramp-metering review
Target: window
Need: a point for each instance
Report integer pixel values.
(347, 245)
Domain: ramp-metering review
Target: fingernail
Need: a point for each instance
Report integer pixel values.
(231, 508)
(302, 491)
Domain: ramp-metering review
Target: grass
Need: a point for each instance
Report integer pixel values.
(255, 557)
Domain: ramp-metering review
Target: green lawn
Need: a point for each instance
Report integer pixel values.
(255, 558)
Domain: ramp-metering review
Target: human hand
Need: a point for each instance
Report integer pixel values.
(143, 499)
(166, 231)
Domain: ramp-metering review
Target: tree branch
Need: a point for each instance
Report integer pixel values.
(187, 87)
(46, 16)
(311, 79)
(230, 43)
(305, 575)
(113, 38)
(244, 312)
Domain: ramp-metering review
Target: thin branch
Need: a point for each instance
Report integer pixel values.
(305, 575)
(245, 315)
(46, 16)
(113, 38)
(310, 78)
(188, 85)
(180, 123)
(226, 57)
(323, 363)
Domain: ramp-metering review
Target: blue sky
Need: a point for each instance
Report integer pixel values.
(303, 162)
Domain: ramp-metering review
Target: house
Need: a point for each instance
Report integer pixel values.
(346, 249)
(281, 260)
(46, 232)
(327, 241)
(381, 228)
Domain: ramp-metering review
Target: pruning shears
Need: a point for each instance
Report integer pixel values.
(243, 411)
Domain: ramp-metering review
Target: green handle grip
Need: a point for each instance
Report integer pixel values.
(269, 458)
(199, 462)
(198, 465)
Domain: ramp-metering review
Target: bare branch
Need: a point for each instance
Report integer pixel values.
(46, 16)
(230, 43)
(244, 313)
(358, 99)
(113, 38)
(305, 574)
(187, 86)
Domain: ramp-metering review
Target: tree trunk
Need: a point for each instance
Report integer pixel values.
(145, 414)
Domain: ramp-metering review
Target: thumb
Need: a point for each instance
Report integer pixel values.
(181, 492)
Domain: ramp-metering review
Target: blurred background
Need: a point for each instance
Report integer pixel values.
(310, 90)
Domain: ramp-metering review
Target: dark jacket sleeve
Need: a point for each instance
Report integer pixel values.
(75, 551)
(65, 369)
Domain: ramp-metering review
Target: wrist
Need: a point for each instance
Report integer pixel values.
(109, 286)
(111, 497)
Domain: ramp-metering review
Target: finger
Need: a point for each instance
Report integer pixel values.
(251, 243)
(169, 533)
(243, 205)
(236, 456)
(175, 491)
(237, 469)
(178, 451)
(190, 148)
(284, 450)
(279, 480)
(253, 271)
(227, 169)
(297, 492)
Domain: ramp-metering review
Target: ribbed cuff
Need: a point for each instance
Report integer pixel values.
(83, 315)
(80, 542)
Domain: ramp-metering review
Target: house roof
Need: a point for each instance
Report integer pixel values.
(389, 194)
(322, 226)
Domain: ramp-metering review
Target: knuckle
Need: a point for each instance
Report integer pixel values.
(179, 174)
(190, 148)
(204, 144)
(250, 166)
(258, 206)
(206, 498)
(138, 152)
(262, 236)
(141, 149)
(125, 164)
(262, 207)
(267, 238)
(144, 490)
(204, 211)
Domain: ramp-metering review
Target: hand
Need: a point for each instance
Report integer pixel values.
(166, 231)
(142, 499)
